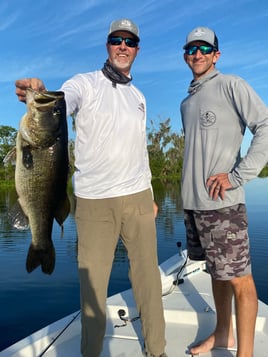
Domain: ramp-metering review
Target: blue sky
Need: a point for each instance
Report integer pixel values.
(54, 40)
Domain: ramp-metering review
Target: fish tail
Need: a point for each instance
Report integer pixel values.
(43, 257)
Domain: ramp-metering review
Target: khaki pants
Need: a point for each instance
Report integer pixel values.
(99, 224)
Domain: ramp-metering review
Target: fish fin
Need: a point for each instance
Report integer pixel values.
(62, 212)
(17, 217)
(10, 157)
(43, 257)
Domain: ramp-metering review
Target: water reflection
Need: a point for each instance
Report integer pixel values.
(31, 301)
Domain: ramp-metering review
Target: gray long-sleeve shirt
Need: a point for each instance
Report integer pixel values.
(215, 115)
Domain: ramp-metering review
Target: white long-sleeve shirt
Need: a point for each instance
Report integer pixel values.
(111, 157)
(215, 116)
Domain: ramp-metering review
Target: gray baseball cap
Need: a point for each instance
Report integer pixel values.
(202, 34)
(124, 25)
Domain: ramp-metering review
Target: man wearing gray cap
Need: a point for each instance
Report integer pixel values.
(215, 115)
(112, 185)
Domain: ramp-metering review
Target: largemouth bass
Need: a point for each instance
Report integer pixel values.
(41, 174)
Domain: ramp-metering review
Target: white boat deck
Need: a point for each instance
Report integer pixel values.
(189, 315)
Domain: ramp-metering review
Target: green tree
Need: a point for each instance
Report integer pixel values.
(7, 141)
(165, 150)
(157, 141)
(71, 156)
(264, 172)
(174, 155)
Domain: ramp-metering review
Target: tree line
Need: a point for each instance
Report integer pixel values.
(165, 148)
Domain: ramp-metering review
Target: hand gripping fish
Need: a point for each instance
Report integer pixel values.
(41, 174)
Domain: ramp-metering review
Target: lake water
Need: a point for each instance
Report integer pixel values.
(31, 301)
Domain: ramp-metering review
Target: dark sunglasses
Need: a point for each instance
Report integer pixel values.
(117, 40)
(204, 49)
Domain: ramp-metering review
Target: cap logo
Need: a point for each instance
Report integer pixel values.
(199, 33)
(125, 23)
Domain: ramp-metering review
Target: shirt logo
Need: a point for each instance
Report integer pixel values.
(208, 119)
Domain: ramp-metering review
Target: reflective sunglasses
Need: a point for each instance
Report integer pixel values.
(117, 40)
(204, 49)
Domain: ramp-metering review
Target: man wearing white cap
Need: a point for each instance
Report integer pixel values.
(112, 185)
(215, 115)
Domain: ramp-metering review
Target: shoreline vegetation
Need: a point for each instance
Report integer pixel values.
(165, 148)
(9, 183)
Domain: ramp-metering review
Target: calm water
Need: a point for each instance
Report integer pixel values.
(31, 301)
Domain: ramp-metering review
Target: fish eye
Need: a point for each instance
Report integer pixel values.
(56, 111)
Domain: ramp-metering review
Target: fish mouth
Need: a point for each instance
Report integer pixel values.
(40, 126)
(44, 98)
(48, 95)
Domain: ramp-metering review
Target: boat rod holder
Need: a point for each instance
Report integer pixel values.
(121, 314)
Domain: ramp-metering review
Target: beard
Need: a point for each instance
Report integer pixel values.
(122, 66)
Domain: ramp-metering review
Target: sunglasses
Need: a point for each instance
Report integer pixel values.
(204, 49)
(117, 40)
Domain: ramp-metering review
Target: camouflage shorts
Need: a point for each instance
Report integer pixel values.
(221, 238)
